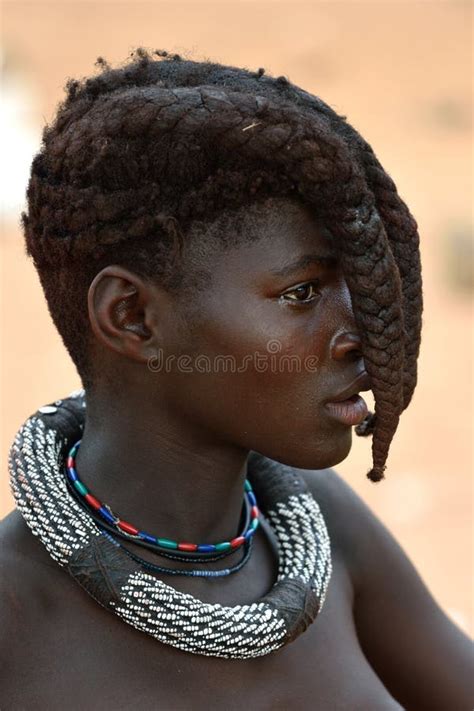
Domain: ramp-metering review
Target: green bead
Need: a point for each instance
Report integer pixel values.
(81, 488)
(254, 523)
(166, 543)
(247, 485)
(223, 546)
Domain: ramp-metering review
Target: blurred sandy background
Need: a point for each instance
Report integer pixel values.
(400, 71)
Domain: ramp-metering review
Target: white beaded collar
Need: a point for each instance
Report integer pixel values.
(122, 585)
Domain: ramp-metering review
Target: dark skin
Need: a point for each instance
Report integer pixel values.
(167, 450)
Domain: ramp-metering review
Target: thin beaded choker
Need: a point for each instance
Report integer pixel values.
(181, 550)
(224, 572)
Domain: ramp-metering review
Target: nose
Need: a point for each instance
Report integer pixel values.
(346, 345)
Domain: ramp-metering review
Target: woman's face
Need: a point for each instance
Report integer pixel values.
(267, 344)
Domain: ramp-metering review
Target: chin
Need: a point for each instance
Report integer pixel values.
(324, 453)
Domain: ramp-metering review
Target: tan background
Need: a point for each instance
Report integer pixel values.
(400, 72)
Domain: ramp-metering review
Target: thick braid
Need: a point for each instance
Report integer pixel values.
(404, 240)
(402, 231)
(374, 283)
(137, 154)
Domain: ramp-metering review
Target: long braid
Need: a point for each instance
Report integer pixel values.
(404, 240)
(402, 231)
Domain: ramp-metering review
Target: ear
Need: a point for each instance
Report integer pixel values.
(123, 312)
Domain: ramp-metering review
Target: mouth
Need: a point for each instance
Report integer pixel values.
(348, 407)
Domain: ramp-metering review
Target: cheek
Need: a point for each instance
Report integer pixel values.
(273, 373)
(250, 329)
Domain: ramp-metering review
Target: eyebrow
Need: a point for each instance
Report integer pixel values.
(305, 261)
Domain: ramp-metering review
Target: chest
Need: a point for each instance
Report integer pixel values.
(83, 657)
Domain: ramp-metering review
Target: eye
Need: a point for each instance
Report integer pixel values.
(302, 294)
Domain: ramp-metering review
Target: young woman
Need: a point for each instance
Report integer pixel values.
(229, 266)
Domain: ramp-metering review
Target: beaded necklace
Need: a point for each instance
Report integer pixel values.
(222, 573)
(124, 586)
(107, 529)
(163, 545)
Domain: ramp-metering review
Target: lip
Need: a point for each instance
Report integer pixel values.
(348, 407)
(360, 384)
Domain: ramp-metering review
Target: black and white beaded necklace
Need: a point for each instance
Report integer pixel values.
(119, 583)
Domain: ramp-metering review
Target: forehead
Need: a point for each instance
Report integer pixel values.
(265, 237)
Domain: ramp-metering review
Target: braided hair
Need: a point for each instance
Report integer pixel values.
(139, 155)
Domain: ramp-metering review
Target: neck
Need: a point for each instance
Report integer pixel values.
(160, 475)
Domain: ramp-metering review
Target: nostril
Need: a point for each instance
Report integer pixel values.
(346, 345)
(356, 354)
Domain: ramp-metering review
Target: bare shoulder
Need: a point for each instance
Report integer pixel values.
(26, 572)
(423, 659)
(31, 593)
(16, 553)
(18, 546)
(357, 533)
